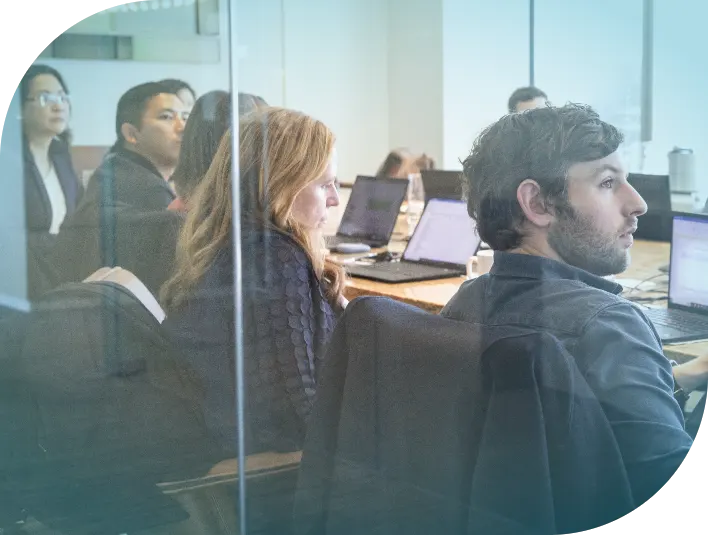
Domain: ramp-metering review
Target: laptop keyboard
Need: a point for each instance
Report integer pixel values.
(408, 269)
(677, 319)
(331, 241)
(401, 269)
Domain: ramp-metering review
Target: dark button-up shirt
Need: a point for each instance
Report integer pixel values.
(614, 345)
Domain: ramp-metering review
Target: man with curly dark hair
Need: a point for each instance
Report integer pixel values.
(549, 193)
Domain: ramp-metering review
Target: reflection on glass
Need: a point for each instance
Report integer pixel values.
(407, 411)
(104, 428)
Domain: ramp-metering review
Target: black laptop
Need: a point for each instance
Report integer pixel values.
(442, 184)
(656, 192)
(686, 318)
(443, 241)
(371, 212)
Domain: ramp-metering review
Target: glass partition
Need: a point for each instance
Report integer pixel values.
(182, 349)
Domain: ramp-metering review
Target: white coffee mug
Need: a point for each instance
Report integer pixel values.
(485, 259)
(480, 264)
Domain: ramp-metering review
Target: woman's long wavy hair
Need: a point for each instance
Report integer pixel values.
(281, 152)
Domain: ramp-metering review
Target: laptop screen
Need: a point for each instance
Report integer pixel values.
(440, 184)
(445, 233)
(688, 284)
(373, 208)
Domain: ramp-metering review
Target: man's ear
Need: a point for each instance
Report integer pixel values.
(535, 208)
(129, 133)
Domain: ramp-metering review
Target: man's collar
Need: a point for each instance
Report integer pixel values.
(138, 159)
(539, 267)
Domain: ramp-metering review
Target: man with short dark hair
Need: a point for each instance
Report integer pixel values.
(550, 195)
(122, 218)
(526, 98)
(150, 121)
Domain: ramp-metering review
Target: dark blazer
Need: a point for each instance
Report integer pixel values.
(37, 206)
(126, 177)
(112, 224)
(38, 212)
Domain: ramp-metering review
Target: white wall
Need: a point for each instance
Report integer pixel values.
(680, 86)
(336, 69)
(344, 83)
(576, 64)
(415, 76)
(96, 86)
(485, 57)
(607, 74)
(260, 38)
(328, 59)
(431, 74)
(452, 66)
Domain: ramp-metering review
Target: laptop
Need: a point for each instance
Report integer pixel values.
(656, 192)
(442, 184)
(686, 318)
(371, 213)
(443, 241)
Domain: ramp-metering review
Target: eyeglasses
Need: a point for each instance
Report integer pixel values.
(45, 98)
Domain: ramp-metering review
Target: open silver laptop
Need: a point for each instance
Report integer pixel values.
(686, 318)
(443, 241)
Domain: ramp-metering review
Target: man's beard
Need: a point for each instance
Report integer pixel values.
(576, 239)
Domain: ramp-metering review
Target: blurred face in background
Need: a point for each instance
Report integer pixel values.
(532, 104)
(47, 108)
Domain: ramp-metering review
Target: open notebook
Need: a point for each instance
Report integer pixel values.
(130, 282)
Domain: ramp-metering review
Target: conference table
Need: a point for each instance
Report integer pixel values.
(642, 280)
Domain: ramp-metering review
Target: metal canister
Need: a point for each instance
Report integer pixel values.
(682, 170)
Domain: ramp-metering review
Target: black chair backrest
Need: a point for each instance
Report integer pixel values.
(106, 414)
(428, 425)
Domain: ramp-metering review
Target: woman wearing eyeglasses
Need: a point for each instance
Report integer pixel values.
(52, 189)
